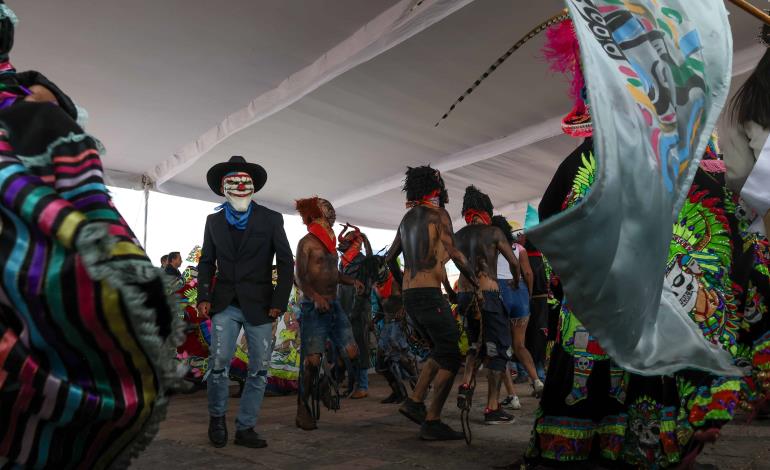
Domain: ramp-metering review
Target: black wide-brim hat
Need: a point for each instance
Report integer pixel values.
(234, 165)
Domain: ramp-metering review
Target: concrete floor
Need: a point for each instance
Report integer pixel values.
(366, 435)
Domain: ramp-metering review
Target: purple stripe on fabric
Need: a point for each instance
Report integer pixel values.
(92, 404)
(90, 199)
(13, 190)
(36, 268)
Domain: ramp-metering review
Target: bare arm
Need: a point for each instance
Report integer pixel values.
(459, 259)
(302, 262)
(391, 259)
(507, 252)
(345, 279)
(449, 290)
(526, 270)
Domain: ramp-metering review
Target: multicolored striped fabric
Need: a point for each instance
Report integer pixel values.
(86, 343)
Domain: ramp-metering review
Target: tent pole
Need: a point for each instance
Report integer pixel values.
(752, 10)
(146, 184)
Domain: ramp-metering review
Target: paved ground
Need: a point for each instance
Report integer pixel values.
(368, 435)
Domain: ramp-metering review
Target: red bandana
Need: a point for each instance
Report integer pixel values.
(471, 213)
(326, 235)
(431, 200)
(352, 252)
(385, 289)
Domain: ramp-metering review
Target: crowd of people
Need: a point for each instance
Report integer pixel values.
(103, 317)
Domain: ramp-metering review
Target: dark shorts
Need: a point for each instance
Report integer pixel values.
(316, 327)
(515, 300)
(495, 341)
(433, 319)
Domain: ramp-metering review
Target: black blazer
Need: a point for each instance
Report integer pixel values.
(246, 270)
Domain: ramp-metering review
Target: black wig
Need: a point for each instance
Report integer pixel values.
(421, 181)
(475, 199)
(752, 100)
(500, 222)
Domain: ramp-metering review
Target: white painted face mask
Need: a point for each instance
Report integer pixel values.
(238, 189)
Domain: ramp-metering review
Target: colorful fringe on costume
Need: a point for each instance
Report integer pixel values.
(85, 325)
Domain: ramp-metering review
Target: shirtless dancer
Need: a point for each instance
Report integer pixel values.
(488, 331)
(425, 237)
(322, 316)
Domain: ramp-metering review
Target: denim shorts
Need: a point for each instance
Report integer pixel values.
(495, 340)
(316, 327)
(516, 301)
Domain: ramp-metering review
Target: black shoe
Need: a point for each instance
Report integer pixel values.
(438, 431)
(497, 416)
(392, 398)
(218, 431)
(413, 410)
(249, 438)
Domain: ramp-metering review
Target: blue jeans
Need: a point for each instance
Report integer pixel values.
(538, 367)
(362, 378)
(316, 327)
(392, 342)
(225, 327)
(516, 301)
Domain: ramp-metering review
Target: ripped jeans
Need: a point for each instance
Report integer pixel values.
(225, 327)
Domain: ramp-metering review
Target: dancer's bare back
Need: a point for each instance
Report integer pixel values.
(426, 238)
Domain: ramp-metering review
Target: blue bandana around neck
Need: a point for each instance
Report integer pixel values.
(238, 220)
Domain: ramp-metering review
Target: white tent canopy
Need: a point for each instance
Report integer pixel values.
(333, 97)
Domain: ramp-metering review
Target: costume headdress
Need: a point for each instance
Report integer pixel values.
(309, 209)
(350, 243)
(313, 216)
(476, 203)
(563, 53)
(500, 222)
(424, 185)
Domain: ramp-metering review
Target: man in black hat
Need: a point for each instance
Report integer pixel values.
(239, 243)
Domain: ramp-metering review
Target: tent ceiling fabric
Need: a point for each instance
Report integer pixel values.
(167, 73)
(155, 75)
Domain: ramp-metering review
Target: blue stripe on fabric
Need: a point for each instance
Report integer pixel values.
(668, 142)
(10, 282)
(82, 189)
(645, 78)
(630, 29)
(11, 170)
(690, 43)
(74, 397)
(686, 152)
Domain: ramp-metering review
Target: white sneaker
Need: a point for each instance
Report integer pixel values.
(537, 388)
(511, 403)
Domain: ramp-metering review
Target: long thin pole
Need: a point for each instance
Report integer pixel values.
(146, 183)
(752, 10)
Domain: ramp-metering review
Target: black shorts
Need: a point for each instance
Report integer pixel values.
(433, 319)
(495, 341)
